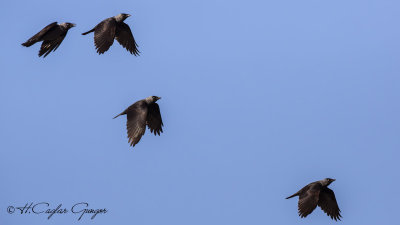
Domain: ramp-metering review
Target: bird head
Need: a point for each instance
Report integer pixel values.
(327, 181)
(121, 17)
(68, 25)
(152, 99)
(155, 98)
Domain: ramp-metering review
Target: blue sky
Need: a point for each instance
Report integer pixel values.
(259, 98)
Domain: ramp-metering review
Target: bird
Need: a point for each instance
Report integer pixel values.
(110, 28)
(318, 193)
(141, 113)
(52, 36)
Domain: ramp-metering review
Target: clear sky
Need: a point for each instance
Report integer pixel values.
(259, 98)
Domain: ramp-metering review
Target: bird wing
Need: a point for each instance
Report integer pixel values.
(50, 45)
(136, 124)
(154, 121)
(35, 38)
(308, 200)
(328, 204)
(125, 38)
(104, 35)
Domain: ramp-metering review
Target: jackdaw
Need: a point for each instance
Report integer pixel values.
(110, 28)
(318, 193)
(141, 113)
(52, 36)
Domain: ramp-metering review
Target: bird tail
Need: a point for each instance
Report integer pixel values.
(118, 115)
(29, 42)
(293, 195)
(88, 32)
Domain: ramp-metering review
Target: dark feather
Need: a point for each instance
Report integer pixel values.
(37, 37)
(114, 28)
(104, 35)
(125, 38)
(90, 31)
(154, 120)
(136, 124)
(317, 193)
(308, 200)
(141, 113)
(49, 46)
(52, 36)
(327, 202)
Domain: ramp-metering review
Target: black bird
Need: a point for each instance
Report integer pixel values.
(52, 36)
(318, 193)
(110, 28)
(141, 113)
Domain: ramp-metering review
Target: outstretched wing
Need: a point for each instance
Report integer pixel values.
(104, 35)
(51, 45)
(136, 124)
(35, 38)
(125, 38)
(308, 200)
(154, 120)
(328, 204)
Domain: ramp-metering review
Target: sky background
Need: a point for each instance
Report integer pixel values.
(259, 98)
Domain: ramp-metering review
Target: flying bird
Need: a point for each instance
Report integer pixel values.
(110, 28)
(318, 193)
(141, 113)
(52, 36)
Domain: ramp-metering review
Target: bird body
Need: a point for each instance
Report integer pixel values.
(141, 113)
(114, 28)
(317, 193)
(52, 36)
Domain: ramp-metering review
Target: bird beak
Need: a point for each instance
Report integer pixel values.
(333, 180)
(159, 98)
(73, 25)
(128, 15)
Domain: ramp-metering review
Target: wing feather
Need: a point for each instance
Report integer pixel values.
(37, 37)
(125, 38)
(136, 124)
(308, 200)
(49, 46)
(104, 35)
(327, 202)
(154, 120)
